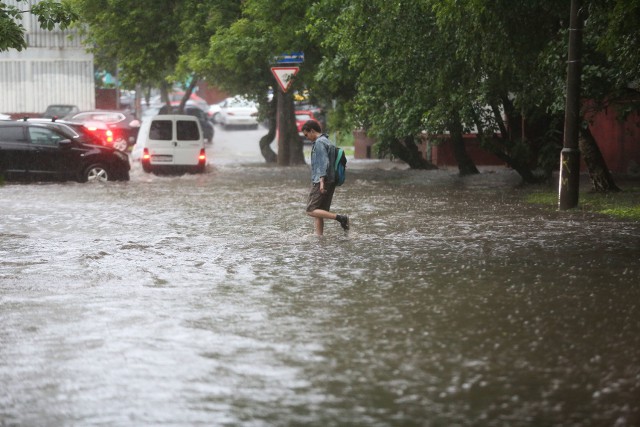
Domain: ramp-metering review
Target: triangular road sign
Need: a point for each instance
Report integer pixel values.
(284, 76)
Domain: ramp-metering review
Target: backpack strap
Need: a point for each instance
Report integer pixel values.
(339, 155)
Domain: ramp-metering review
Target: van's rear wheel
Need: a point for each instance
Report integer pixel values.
(95, 173)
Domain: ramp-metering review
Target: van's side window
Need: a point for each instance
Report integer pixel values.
(161, 130)
(188, 130)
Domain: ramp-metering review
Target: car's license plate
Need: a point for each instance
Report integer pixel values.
(162, 158)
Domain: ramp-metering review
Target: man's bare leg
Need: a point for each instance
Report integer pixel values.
(319, 216)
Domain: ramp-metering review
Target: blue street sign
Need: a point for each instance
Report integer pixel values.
(290, 58)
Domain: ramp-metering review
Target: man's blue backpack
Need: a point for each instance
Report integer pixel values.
(340, 166)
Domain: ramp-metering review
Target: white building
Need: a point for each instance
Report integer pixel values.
(54, 69)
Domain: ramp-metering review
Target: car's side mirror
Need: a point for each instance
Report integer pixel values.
(64, 143)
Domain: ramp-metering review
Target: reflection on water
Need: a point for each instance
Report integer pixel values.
(206, 300)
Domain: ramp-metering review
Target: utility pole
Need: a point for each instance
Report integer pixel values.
(570, 156)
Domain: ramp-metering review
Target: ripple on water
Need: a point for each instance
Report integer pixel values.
(181, 300)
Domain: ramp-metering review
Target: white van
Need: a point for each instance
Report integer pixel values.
(171, 143)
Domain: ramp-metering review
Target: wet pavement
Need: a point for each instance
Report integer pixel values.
(206, 300)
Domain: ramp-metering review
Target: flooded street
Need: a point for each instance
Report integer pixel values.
(206, 300)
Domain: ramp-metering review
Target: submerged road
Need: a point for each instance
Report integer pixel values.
(206, 300)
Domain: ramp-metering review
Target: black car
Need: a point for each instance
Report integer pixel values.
(122, 126)
(51, 150)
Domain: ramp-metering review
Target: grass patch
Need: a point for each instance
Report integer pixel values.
(349, 151)
(344, 139)
(624, 204)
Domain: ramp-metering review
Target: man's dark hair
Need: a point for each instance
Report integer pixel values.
(311, 125)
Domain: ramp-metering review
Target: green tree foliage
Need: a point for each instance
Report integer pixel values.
(231, 44)
(496, 67)
(396, 68)
(138, 38)
(49, 13)
(436, 66)
(619, 37)
(242, 51)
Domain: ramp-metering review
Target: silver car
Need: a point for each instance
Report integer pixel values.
(238, 111)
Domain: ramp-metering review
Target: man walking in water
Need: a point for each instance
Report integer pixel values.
(322, 178)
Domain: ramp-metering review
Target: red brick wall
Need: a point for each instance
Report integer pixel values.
(442, 153)
(362, 145)
(105, 99)
(619, 141)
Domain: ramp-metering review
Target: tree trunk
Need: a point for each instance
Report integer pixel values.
(164, 93)
(601, 178)
(499, 146)
(465, 164)
(283, 143)
(407, 151)
(290, 150)
(265, 142)
(498, 150)
(187, 94)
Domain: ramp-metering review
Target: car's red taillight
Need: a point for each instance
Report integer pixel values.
(106, 136)
(202, 157)
(145, 155)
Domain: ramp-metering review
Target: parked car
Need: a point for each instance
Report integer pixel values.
(51, 150)
(171, 143)
(124, 126)
(318, 113)
(127, 99)
(238, 111)
(302, 116)
(59, 111)
(176, 97)
(213, 111)
(97, 133)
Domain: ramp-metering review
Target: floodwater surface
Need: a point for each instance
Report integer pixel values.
(206, 300)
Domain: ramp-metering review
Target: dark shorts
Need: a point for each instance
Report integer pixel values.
(320, 201)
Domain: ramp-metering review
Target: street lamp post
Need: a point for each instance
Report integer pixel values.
(570, 156)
